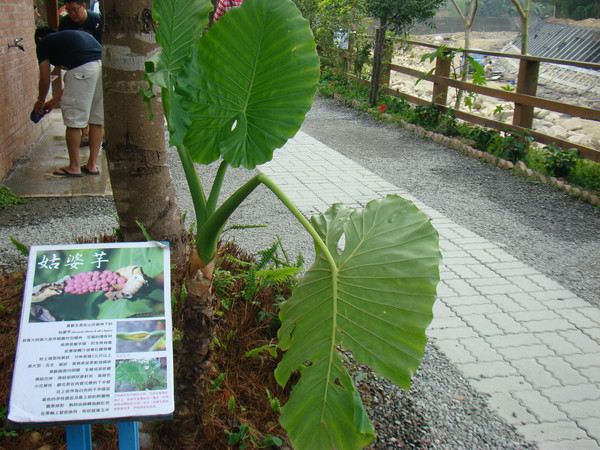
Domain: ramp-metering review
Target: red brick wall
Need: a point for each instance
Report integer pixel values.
(18, 83)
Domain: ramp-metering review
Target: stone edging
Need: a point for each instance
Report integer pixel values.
(520, 167)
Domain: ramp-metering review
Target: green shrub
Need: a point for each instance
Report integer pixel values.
(535, 159)
(559, 162)
(448, 125)
(397, 105)
(482, 136)
(509, 146)
(8, 198)
(586, 174)
(428, 117)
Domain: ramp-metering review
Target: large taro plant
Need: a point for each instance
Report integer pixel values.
(237, 92)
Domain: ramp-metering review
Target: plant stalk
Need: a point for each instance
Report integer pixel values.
(211, 205)
(196, 191)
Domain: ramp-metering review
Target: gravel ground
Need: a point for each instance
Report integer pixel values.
(555, 234)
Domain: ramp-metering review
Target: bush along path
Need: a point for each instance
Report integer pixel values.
(562, 169)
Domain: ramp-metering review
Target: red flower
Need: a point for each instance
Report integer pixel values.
(331, 84)
(382, 108)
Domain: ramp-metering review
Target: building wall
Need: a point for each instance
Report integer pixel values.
(18, 83)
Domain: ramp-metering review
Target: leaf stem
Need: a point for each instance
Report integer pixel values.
(211, 205)
(305, 223)
(196, 191)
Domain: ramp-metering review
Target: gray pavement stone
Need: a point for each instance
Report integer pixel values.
(451, 332)
(566, 303)
(543, 280)
(489, 281)
(530, 316)
(505, 405)
(573, 393)
(481, 349)
(554, 431)
(540, 406)
(592, 426)
(582, 318)
(562, 370)
(525, 351)
(527, 301)
(580, 340)
(461, 287)
(505, 303)
(503, 289)
(507, 323)
(526, 284)
(483, 271)
(491, 369)
(594, 333)
(579, 444)
(513, 340)
(455, 351)
(481, 324)
(443, 290)
(483, 256)
(464, 271)
(535, 373)
(558, 343)
(537, 326)
(494, 385)
(592, 374)
(552, 295)
(467, 300)
(464, 310)
(584, 409)
(447, 322)
(441, 311)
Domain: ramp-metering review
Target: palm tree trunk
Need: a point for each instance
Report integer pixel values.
(135, 146)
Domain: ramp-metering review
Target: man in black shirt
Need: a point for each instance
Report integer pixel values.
(80, 18)
(81, 103)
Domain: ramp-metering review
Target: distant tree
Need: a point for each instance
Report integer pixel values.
(576, 9)
(396, 17)
(468, 19)
(523, 11)
(495, 8)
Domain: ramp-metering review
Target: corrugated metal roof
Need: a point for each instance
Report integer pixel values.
(553, 40)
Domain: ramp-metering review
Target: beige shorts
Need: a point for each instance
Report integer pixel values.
(81, 102)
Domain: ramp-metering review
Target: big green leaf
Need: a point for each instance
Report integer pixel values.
(180, 24)
(249, 83)
(375, 300)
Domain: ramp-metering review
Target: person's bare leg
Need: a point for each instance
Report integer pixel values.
(73, 136)
(96, 134)
(85, 132)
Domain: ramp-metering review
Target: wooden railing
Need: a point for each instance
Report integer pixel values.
(524, 97)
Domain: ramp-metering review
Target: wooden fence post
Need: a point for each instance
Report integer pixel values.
(440, 88)
(526, 84)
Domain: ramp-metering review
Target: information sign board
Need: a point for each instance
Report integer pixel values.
(95, 340)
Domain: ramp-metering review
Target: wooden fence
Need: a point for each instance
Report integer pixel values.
(524, 97)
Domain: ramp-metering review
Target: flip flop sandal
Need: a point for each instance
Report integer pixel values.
(64, 173)
(89, 172)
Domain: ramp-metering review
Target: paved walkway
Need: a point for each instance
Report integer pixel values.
(514, 333)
